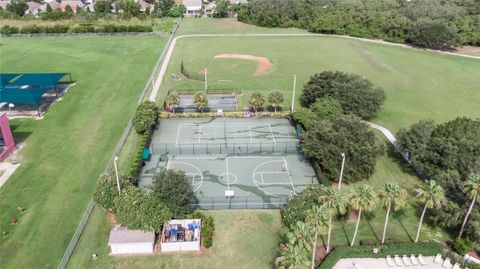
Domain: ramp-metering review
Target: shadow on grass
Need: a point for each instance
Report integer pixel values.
(368, 217)
(398, 216)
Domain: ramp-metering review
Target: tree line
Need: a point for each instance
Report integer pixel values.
(436, 24)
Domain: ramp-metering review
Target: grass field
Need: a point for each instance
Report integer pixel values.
(418, 84)
(243, 239)
(64, 153)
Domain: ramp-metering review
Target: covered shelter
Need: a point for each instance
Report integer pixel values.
(125, 241)
(181, 235)
(28, 89)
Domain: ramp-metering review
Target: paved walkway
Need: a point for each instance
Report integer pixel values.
(168, 56)
(8, 169)
(389, 135)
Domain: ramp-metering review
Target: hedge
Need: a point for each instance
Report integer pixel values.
(238, 114)
(64, 28)
(207, 228)
(426, 249)
(137, 161)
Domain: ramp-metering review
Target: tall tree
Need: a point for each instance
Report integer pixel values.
(335, 201)
(317, 218)
(472, 189)
(275, 99)
(292, 256)
(173, 100)
(391, 195)
(145, 116)
(200, 100)
(256, 101)
(175, 190)
(301, 234)
(325, 140)
(363, 199)
(432, 195)
(356, 94)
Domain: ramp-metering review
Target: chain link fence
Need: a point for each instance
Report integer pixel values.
(239, 202)
(225, 148)
(91, 205)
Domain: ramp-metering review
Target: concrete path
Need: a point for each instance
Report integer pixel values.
(389, 135)
(8, 169)
(168, 56)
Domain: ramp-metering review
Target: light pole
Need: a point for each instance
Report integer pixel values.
(206, 79)
(116, 172)
(341, 171)
(293, 94)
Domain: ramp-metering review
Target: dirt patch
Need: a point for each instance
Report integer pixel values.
(474, 51)
(111, 218)
(264, 63)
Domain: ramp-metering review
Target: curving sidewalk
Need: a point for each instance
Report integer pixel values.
(158, 81)
(387, 133)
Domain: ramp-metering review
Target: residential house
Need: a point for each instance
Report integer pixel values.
(194, 7)
(144, 6)
(33, 8)
(74, 4)
(4, 4)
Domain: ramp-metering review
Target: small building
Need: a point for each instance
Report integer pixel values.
(33, 8)
(181, 235)
(125, 241)
(74, 4)
(7, 145)
(194, 7)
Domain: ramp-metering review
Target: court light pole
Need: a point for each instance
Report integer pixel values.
(293, 94)
(341, 171)
(115, 159)
(206, 80)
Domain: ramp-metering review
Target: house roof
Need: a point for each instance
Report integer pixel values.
(238, 1)
(54, 5)
(192, 3)
(4, 4)
(33, 6)
(144, 5)
(71, 3)
(122, 235)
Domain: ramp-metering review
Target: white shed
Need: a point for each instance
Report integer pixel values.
(181, 235)
(125, 241)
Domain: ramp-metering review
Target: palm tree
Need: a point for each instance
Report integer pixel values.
(364, 199)
(317, 218)
(256, 100)
(336, 204)
(392, 195)
(292, 256)
(173, 100)
(432, 195)
(472, 190)
(200, 100)
(275, 98)
(300, 235)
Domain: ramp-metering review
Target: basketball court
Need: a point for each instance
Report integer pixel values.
(232, 163)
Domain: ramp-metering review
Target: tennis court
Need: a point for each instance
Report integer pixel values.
(225, 102)
(232, 163)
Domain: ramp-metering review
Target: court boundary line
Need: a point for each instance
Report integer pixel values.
(191, 165)
(288, 172)
(271, 184)
(271, 133)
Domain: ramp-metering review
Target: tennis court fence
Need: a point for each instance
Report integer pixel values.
(225, 148)
(239, 202)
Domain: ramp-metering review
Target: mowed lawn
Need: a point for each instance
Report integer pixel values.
(243, 239)
(418, 84)
(64, 153)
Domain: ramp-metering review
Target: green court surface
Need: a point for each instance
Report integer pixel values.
(232, 163)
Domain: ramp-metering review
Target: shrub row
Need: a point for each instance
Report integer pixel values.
(455, 258)
(168, 115)
(60, 28)
(137, 161)
(426, 249)
(207, 228)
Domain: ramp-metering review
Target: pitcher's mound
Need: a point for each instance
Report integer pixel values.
(264, 63)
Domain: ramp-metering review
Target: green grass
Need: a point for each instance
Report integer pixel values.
(243, 239)
(64, 153)
(418, 84)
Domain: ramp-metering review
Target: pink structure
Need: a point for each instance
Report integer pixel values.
(7, 145)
